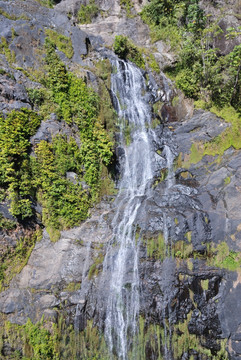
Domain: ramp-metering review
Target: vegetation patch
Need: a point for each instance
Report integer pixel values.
(48, 341)
(222, 257)
(13, 17)
(127, 5)
(15, 166)
(200, 71)
(59, 341)
(47, 3)
(43, 177)
(125, 49)
(16, 258)
(155, 247)
(88, 12)
(184, 342)
(4, 49)
(62, 42)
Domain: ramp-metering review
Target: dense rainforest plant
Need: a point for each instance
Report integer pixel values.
(23, 177)
(15, 165)
(201, 72)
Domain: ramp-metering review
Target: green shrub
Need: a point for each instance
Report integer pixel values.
(127, 5)
(15, 168)
(87, 12)
(41, 341)
(64, 203)
(125, 49)
(62, 42)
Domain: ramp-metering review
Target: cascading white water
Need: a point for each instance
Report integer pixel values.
(128, 88)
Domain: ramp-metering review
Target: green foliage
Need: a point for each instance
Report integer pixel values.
(163, 17)
(65, 203)
(86, 13)
(196, 18)
(62, 42)
(125, 49)
(15, 169)
(151, 61)
(156, 9)
(127, 5)
(47, 3)
(228, 138)
(227, 180)
(62, 342)
(6, 223)
(200, 72)
(22, 177)
(41, 341)
(184, 342)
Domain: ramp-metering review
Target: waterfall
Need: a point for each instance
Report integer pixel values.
(134, 112)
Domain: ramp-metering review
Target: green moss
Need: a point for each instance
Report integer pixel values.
(88, 12)
(107, 184)
(161, 178)
(184, 342)
(44, 340)
(230, 137)
(188, 235)
(216, 147)
(204, 284)
(221, 256)
(182, 250)
(72, 286)
(152, 62)
(155, 247)
(227, 180)
(62, 42)
(107, 114)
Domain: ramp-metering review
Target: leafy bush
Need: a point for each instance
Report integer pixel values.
(62, 42)
(156, 9)
(24, 177)
(15, 168)
(125, 49)
(87, 12)
(64, 203)
(42, 342)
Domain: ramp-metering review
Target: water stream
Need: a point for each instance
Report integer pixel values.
(128, 88)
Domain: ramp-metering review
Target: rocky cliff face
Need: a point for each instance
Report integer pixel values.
(188, 225)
